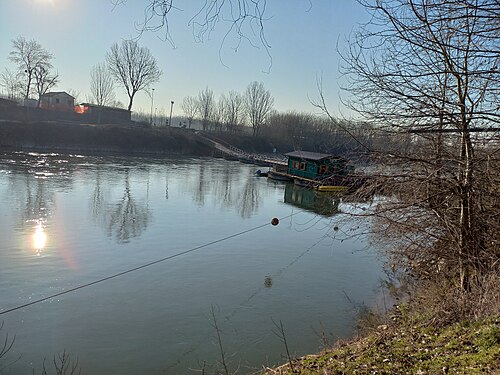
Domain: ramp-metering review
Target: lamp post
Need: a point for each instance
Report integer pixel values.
(170, 118)
(152, 101)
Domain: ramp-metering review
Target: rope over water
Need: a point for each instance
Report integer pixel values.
(74, 289)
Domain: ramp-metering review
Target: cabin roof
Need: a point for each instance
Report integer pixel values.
(55, 93)
(307, 155)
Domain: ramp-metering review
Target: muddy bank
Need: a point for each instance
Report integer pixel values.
(87, 138)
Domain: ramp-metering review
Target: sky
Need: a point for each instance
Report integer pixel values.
(304, 36)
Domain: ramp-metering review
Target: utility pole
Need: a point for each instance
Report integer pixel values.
(152, 101)
(170, 118)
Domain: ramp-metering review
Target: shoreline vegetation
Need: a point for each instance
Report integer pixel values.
(467, 347)
(438, 329)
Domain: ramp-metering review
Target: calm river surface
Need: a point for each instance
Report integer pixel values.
(68, 220)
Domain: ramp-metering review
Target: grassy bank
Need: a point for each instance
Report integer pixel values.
(123, 139)
(437, 330)
(410, 348)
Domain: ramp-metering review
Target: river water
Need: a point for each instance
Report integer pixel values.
(70, 220)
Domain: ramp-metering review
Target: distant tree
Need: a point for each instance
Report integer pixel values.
(75, 94)
(258, 105)
(117, 104)
(190, 107)
(11, 84)
(101, 85)
(133, 67)
(220, 113)
(206, 107)
(234, 111)
(32, 60)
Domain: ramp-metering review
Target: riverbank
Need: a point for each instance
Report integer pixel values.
(409, 348)
(436, 330)
(88, 138)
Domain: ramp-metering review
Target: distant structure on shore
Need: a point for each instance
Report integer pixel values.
(60, 106)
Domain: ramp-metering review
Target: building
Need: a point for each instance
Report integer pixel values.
(314, 165)
(57, 101)
(96, 114)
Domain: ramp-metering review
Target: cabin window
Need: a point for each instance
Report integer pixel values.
(57, 100)
(324, 169)
(302, 166)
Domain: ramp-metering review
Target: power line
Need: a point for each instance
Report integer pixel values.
(473, 130)
(139, 267)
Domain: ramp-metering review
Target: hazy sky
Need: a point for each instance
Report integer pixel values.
(303, 36)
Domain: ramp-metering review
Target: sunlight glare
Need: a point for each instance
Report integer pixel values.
(46, 2)
(39, 238)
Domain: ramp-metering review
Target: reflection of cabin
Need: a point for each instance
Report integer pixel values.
(321, 203)
(57, 101)
(96, 114)
(314, 165)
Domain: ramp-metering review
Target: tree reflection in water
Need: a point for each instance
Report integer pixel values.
(97, 198)
(250, 199)
(127, 219)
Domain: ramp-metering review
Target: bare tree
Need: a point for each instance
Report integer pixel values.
(44, 80)
(190, 107)
(75, 94)
(206, 107)
(30, 57)
(133, 67)
(431, 68)
(101, 85)
(234, 111)
(220, 113)
(258, 104)
(242, 20)
(10, 82)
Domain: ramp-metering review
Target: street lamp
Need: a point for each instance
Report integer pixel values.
(170, 118)
(152, 101)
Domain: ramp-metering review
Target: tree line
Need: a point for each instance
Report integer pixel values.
(230, 111)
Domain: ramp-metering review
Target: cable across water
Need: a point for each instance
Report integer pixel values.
(149, 264)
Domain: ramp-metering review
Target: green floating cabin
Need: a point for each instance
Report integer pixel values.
(315, 165)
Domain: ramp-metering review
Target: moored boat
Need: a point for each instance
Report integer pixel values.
(322, 172)
(279, 176)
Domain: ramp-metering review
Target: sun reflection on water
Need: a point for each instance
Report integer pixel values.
(39, 238)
